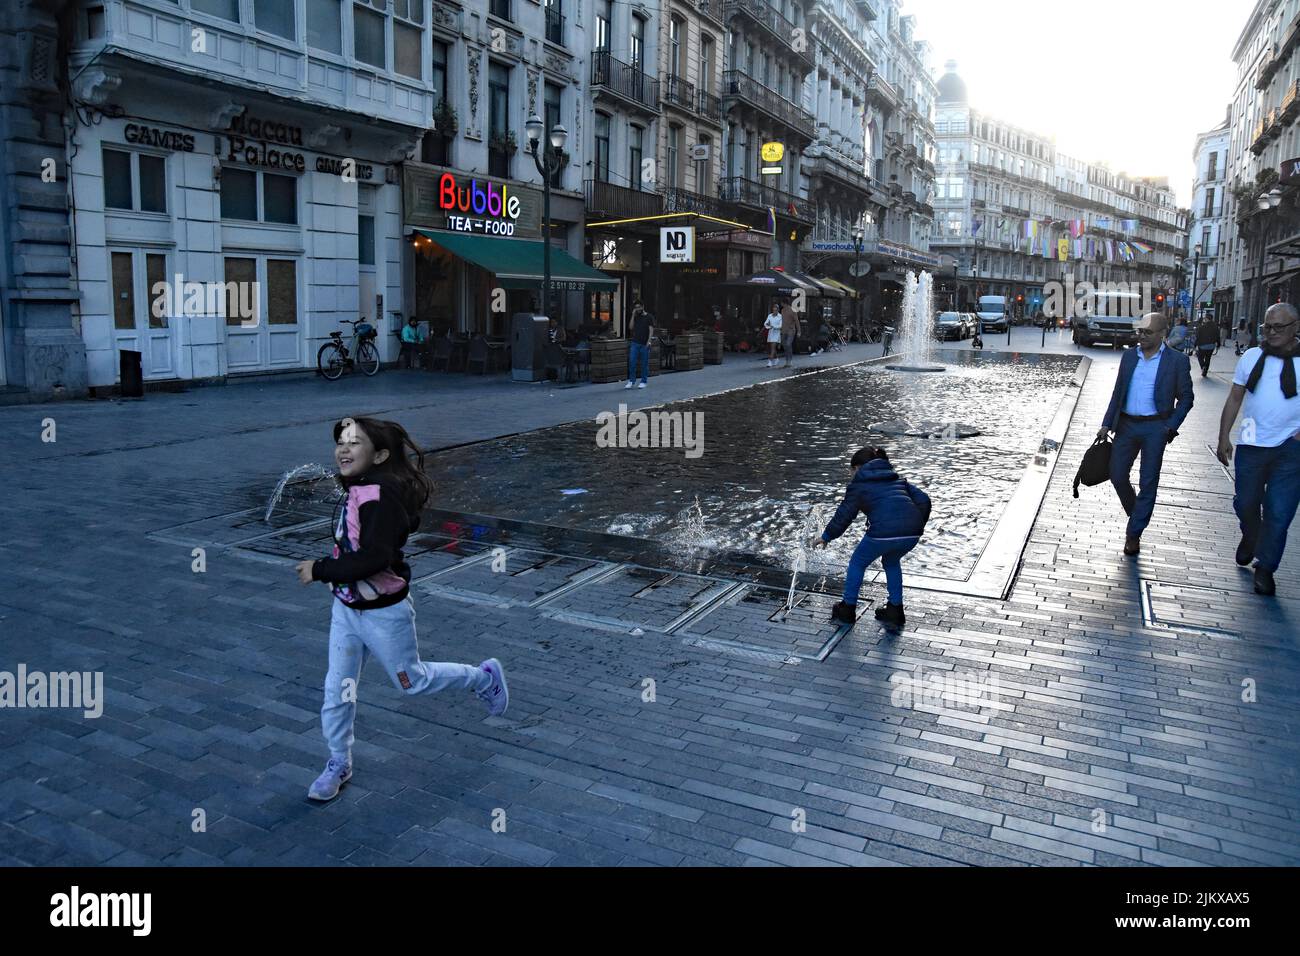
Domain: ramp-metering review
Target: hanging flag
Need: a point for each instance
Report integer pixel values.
(975, 226)
(1142, 247)
(1063, 249)
(1110, 250)
(1002, 224)
(771, 220)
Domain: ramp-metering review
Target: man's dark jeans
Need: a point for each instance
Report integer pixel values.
(1148, 438)
(1268, 489)
(1203, 356)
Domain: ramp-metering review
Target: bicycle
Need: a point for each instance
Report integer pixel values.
(334, 359)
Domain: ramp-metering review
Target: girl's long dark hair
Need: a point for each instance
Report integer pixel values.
(870, 453)
(404, 464)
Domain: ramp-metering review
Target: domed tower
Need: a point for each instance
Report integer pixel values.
(952, 88)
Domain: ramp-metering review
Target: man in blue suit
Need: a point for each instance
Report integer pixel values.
(1153, 394)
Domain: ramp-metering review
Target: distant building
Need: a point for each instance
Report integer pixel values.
(1207, 230)
(1016, 213)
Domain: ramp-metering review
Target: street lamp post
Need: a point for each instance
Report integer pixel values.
(858, 236)
(1196, 271)
(1269, 200)
(548, 161)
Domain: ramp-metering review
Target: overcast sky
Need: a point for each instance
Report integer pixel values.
(1127, 81)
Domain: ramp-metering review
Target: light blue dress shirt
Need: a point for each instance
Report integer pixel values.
(1141, 398)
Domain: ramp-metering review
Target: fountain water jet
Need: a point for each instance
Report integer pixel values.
(310, 472)
(915, 325)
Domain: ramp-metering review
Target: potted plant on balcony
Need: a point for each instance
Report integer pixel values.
(504, 142)
(445, 120)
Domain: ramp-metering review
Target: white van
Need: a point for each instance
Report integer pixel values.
(993, 313)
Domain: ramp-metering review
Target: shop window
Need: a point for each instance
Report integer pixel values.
(368, 39)
(226, 9)
(280, 199)
(275, 16)
(153, 183)
(281, 292)
(123, 291)
(131, 175)
(117, 180)
(238, 194)
(241, 274)
(325, 25)
(366, 240)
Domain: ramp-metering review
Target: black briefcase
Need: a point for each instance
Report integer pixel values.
(1095, 467)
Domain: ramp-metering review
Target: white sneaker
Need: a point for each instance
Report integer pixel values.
(326, 786)
(628, 385)
(642, 385)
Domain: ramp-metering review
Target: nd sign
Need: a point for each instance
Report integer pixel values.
(677, 244)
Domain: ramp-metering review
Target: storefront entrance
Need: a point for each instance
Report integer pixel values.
(136, 274)
(262, 328)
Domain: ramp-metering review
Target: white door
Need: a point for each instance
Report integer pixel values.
(141, 320)
(262, 327)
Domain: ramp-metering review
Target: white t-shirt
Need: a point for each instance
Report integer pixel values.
(773, 326)
(1268, 418)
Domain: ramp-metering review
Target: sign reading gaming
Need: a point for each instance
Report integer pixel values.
(482, 198)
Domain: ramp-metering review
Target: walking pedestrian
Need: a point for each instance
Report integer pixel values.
(1268, 453)
(1207, 343)
(373, 613)
(1152, 396)
(896, 513)
(1242, 337)
(790, 328)
(638, 346)
(773, 326)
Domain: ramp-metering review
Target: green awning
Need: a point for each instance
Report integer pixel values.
(517, 263)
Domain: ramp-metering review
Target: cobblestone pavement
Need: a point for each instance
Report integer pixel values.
(1144, 712)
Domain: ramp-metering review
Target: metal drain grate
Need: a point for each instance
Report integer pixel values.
(1188, 609)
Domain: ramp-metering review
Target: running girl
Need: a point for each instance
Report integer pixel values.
(373, 612)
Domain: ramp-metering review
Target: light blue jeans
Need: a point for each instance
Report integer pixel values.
(389, 634)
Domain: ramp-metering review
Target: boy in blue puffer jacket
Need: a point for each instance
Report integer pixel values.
(896, 514)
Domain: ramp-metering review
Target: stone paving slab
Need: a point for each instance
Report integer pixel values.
(1101, 742)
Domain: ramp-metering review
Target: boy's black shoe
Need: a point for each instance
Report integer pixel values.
(844, 613)
(1245, 552)
(1264, 582)
(891, 614)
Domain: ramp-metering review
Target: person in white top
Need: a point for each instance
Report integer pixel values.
(773, 325)
(1268, 453)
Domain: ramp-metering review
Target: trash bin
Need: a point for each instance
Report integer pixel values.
(132, 376)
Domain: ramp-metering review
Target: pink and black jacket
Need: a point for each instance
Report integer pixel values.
(368, 569)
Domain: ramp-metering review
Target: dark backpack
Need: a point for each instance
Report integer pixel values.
(1095, 467)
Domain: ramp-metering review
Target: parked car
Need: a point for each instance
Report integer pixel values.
(950, 326)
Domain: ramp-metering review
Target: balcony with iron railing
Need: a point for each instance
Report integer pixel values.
(713, 9)
(679, 93)
(746, 192)
(882, 92)
(606, 199)
(775, 23)
(624, 82)
(737, 85)
(677, 199)
(709, 106)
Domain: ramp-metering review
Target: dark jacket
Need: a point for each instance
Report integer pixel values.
(894, 508)
(1173, 388)
(371, 525)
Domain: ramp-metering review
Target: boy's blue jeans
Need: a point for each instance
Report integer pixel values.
(389, 634)
(638, 355)
(889, 551)
(1268, 490)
